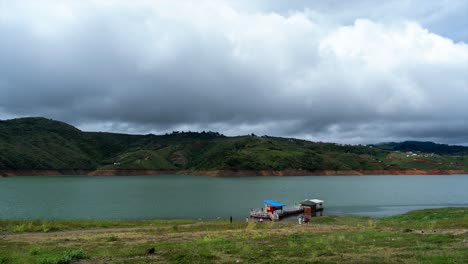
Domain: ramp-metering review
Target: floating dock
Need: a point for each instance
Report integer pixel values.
(275, 210)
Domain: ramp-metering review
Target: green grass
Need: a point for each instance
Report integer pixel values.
(328, 239)
(430, 218)
(64, 258)
(44, 226)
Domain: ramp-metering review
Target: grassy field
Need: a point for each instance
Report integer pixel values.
(425, 236)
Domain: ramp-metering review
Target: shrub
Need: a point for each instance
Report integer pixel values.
(112, 238)
(34, 251)
(65, 258)
(18, 228)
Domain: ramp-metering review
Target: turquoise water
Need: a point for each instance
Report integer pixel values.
(182, 196)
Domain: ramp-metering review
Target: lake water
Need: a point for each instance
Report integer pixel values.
(182, 196)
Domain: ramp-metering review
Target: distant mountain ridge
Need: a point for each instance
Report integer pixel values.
(45, 144)
(424, 146)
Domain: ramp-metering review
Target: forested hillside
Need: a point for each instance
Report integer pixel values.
(40, 143)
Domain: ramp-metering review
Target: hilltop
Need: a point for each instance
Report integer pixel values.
(39, 144)
(427, 147)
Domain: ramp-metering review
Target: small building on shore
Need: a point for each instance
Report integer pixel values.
(312, 207)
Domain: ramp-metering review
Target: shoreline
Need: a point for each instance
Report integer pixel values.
(227, 173)
(413, 237)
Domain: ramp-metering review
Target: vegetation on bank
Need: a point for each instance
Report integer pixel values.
(425, 236)
(427, 147)
(44, 144)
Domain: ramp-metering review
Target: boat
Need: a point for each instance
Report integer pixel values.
(275, 210)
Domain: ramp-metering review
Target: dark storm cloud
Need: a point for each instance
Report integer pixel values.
(156, 66)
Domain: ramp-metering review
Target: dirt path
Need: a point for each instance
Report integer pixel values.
(83, 231)
(161, 232)
(104, 230)
(460, 231)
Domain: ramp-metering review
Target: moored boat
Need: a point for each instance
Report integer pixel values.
(275, 210)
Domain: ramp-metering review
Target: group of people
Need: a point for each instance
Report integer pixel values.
(301, 219)
(259, 220)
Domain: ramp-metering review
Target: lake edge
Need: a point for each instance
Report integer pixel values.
(231, 173)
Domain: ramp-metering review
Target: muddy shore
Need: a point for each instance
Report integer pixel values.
(216, 173)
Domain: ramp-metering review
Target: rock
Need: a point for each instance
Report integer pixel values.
(150, 251)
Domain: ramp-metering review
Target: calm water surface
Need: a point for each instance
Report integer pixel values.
(181, 196)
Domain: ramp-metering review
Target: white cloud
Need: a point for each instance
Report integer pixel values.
(163, 65)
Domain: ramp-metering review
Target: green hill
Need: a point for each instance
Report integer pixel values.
(428, 147)
(40, 143)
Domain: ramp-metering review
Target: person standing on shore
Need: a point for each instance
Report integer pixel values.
(230, 219)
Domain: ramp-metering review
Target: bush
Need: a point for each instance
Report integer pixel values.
(112, 238)
(46, 227)
(34, 251)
(65, 258)
(19, 228)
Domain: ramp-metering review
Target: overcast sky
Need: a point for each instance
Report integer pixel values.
(341, 71)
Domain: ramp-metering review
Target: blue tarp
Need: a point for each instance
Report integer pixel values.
(273, 203)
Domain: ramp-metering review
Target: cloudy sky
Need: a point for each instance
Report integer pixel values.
(341, 71)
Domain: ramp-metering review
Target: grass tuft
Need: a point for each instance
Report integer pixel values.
(65, 258)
